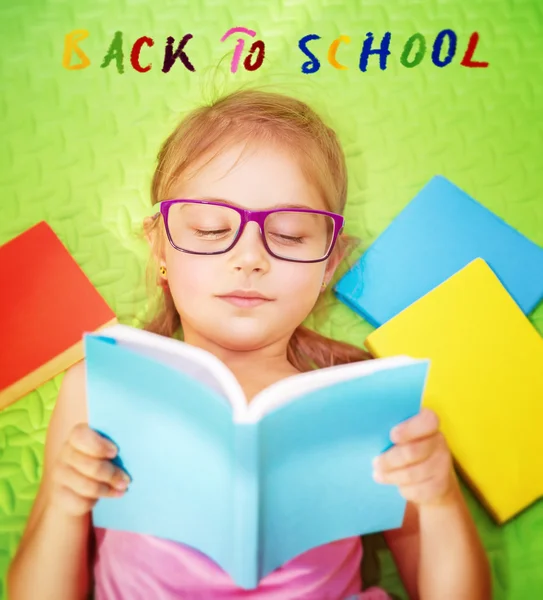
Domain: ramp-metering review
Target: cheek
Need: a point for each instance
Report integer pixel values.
(298, 288)
(301, 279)
(188, 277)
(299, 291)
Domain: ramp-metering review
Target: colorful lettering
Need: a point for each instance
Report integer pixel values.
(256, 46)
(404, 58)
(70, 46)
(383, 51)
(135, 54)
(468, 56)
(333, 49)
(312, 65)
(170, 55)
(115, 51)
(413, 53)
(438, 44)
(238, 51)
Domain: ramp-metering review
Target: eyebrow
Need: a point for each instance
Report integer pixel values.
(225, 201)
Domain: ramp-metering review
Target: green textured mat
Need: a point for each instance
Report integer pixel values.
(79, 148)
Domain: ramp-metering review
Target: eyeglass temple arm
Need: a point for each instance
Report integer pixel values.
(158, 212)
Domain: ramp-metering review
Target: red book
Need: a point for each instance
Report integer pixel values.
(46, 304)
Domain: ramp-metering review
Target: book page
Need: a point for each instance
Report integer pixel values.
(178, 355)
(177, 442)
(288, 389)
(186, 365)
(321, 447)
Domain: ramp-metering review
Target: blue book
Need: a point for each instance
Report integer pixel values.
(250, 485)
(438, 233)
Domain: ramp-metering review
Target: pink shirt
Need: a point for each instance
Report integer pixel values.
(132, 566)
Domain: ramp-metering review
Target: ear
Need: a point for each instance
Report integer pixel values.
(151, 234)
(149, 231)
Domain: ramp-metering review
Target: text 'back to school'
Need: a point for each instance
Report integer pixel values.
(441, 50)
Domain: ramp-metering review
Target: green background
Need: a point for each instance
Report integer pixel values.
(79, 149)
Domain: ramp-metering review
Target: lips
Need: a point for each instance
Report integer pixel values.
(245, 299)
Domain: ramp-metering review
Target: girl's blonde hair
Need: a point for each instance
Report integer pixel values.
(249, 117)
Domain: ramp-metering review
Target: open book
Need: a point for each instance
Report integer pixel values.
(249, 485)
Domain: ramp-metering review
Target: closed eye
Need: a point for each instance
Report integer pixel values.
(288, 238)
(206, 232)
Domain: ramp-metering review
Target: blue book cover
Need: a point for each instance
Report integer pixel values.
(438, 233)
(251, 485)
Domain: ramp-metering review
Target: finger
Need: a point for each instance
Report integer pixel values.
(434, 467)
(83, 486)
(411, 475)
(402, 455)
(98, 469)
(92, 443)
(422, 425)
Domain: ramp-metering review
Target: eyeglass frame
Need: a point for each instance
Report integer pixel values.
(248, 216)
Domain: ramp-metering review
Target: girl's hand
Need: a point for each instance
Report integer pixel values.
(84, 472)
(420, 462)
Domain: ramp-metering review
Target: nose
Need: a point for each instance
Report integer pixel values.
(249, 254)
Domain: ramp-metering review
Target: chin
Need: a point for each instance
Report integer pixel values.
(242, 339)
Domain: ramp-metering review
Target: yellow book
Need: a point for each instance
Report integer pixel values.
(485, 382)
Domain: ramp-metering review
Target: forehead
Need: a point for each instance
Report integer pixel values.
(256, 177)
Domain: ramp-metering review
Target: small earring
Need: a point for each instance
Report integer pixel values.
(323, 286)
(163, 271)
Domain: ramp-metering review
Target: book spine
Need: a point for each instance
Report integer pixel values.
(246, 563)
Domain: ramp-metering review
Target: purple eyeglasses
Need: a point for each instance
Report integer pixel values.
(208, 227)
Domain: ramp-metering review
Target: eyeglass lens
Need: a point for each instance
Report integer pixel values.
(208, 228)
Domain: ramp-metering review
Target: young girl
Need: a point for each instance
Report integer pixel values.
(251, 240)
